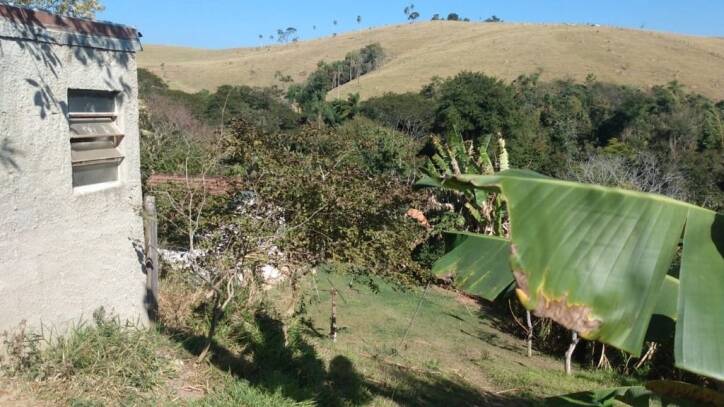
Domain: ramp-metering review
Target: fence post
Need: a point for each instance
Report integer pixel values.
(150, 234)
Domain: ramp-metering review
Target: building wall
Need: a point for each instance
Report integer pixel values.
(65, 252)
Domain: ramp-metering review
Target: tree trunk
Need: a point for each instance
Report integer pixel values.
(569, 352)
(338, 83)
(333, 318)
(530, 333)
(212, 328)
(192, 237)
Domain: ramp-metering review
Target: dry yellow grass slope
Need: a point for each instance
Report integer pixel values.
(418, 52)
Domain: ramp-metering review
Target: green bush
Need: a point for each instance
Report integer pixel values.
(475, 104)
(344, 192)
(410, 113)
(263, 107)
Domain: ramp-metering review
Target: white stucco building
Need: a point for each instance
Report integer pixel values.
(70, 184)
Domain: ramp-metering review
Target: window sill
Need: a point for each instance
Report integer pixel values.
(89, 189)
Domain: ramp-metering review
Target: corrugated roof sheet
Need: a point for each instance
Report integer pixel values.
(50, 21)
(42, 26)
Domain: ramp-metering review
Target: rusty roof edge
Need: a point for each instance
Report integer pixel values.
(47, 20)
(10, 30)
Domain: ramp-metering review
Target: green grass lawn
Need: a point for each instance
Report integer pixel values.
(395, 347)
(433, 348)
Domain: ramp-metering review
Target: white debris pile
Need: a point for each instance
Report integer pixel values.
(246, 204)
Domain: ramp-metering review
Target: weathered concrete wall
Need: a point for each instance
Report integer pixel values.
(64, 252)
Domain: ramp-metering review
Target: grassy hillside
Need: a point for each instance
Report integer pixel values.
(418, 52)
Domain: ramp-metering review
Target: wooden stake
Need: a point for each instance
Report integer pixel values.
(333, 318)
(151, 266)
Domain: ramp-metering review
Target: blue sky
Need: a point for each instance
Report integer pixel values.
(235, 23)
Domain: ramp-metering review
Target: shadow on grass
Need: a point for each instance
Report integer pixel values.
(290, 366)
(283, 364)
(421, 389)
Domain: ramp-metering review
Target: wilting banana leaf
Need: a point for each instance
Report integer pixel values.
(478, 264)
(595, 259)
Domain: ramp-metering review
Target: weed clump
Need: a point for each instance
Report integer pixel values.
(106, 359)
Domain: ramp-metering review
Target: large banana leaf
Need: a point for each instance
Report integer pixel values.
(478, 264)
(595, 260)
(668, 298)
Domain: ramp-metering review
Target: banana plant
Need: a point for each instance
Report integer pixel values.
(455, 156)
(488, 216)
(595, 260)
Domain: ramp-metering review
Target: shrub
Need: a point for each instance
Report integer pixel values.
(263, 107)
(321, 180)
(410, 113)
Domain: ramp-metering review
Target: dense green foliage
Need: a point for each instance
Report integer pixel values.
(663, 136)
(410, 113)
(320, 179)
(311, 96)
(263, 107)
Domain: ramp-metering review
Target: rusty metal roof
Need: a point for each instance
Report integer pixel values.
(47, 20)
(42, 26)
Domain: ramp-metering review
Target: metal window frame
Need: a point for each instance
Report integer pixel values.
(96, 141)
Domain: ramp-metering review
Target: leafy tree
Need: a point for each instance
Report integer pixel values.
(453, 17)
(372, 56)
(410, 113)
(435, 17)
(712, 129)
(73, 8)
(475, 104)
(359, 19)
(345, 109)
(284, 35)
(262, 107)
(311, 96)
(408, 9)
(413, 16)
(493, 19)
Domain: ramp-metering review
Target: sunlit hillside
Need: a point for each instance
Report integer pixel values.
(420, 51)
